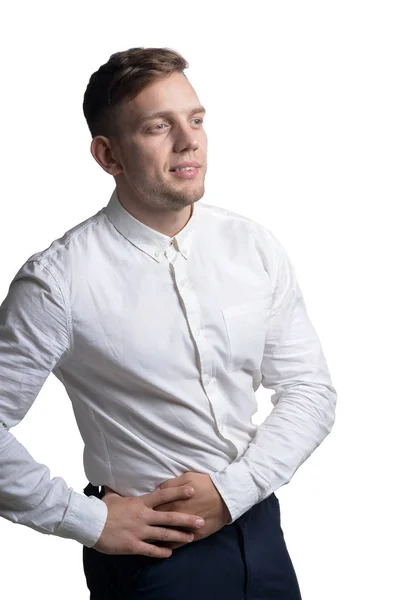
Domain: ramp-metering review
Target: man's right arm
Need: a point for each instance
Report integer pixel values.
(34, 339)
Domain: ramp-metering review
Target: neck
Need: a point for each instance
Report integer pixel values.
(169, 222)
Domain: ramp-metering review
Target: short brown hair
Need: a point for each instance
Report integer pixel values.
(123, 77)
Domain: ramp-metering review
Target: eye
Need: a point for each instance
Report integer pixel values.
(155, 128)
(159, 125)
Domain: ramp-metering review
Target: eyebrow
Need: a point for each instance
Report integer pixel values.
(169, 113)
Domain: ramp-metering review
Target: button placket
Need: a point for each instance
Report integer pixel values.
(193, 315)
(207, 378)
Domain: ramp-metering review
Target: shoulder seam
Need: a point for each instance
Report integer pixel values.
(47, 253)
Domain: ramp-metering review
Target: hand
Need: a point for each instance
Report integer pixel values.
(132, 521)
(206, 502)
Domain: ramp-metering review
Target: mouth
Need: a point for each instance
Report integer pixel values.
(186, 172)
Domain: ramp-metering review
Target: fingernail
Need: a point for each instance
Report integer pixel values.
(189, 490)
(199, 522)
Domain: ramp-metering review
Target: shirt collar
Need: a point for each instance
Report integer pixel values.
(152, 242)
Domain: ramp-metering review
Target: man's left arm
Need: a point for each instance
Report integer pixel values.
(304, 398)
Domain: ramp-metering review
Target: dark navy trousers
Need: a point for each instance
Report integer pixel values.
(247, 560)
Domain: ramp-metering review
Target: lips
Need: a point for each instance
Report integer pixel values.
(190, 174)
(186, 164)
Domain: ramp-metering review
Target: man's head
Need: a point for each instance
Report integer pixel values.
(138, 148)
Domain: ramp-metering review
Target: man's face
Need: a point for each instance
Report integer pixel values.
(148, 148)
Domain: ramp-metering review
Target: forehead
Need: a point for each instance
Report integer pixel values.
(173, 94)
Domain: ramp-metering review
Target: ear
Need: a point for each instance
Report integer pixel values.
(105, 155)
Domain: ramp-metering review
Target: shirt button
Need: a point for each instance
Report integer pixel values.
(207, 379)
(197, 332)
(183, 282)
(157, 253)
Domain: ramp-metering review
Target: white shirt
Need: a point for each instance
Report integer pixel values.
(161, 344)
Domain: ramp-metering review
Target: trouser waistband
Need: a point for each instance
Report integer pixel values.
(93, 490)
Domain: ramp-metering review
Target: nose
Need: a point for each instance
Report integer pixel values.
(186, 138)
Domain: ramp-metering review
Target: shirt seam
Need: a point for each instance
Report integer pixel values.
(48, 253)
(68, 317)
(106, 448)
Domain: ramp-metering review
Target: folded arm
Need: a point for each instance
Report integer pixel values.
(304, 398)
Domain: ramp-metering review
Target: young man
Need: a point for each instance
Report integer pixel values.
(162, 316)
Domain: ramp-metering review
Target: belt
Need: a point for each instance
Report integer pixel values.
(92, 490)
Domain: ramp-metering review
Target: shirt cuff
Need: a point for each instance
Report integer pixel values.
(237, 489)
(84, 519)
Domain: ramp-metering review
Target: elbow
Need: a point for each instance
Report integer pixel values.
(318, 401)
(327, 413)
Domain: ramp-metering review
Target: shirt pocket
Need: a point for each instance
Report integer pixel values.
(246, 327)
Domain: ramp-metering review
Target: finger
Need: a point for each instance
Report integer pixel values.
(174, 545)
(169, 535)
(153, 551)
(166, 507)
(165, 495)
(176, 481)
(175, 519)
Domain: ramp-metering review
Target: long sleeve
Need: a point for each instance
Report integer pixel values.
(34, 340)
(304, 398)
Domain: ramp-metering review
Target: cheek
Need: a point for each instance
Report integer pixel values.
(153, 159)
(141, 166)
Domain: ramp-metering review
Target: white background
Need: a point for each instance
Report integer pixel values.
(302, 120)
